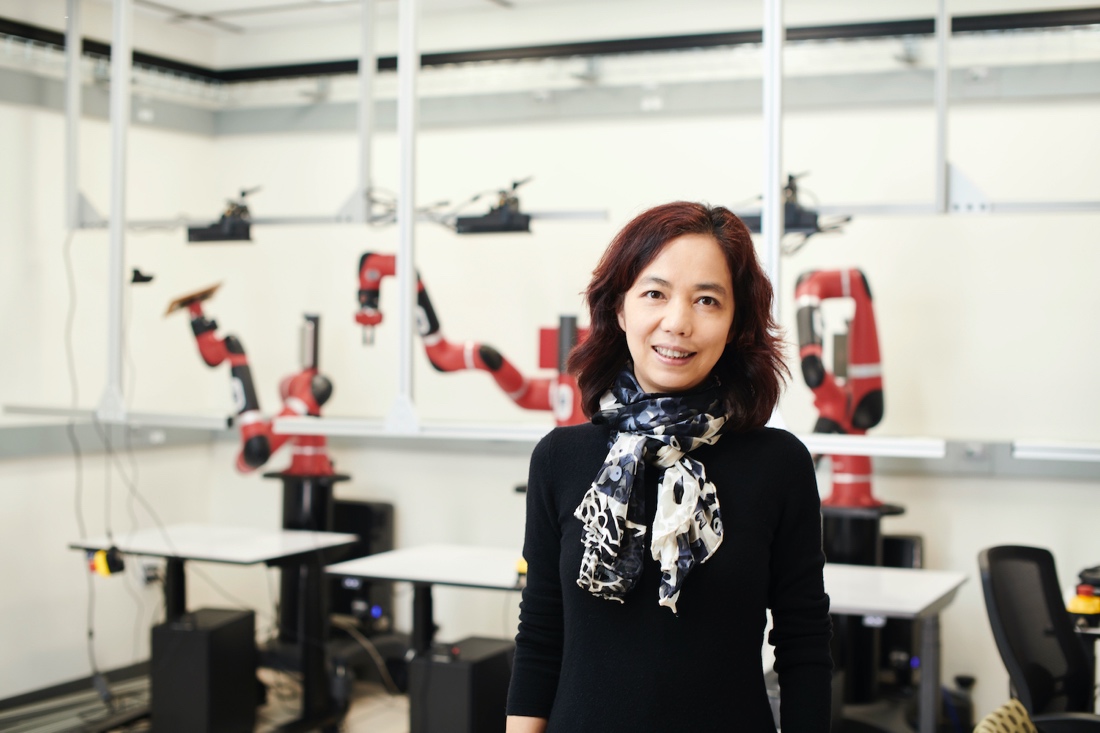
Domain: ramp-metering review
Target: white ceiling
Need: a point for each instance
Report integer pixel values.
(237, 16)
(229, 17)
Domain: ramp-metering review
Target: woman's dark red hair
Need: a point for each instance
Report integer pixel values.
(751, 369)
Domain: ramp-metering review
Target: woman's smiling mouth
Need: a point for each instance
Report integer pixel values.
(672, 353)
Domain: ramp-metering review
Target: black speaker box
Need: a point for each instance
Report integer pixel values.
(369, 602)
(899, 661)
(203, 673)
(461, 688)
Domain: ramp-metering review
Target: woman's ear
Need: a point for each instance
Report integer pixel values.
(622, 320)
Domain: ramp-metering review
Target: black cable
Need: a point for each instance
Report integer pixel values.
(74, 385)
(78, 492)
(128, 482)
(129, 447)
(106, 480)
(98, 680)
(131, 387)
(794, 245)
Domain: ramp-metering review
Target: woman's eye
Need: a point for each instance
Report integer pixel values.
(651, 294)
(707, 300)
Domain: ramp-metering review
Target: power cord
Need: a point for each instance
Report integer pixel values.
(372, 651)
(99, 681)
(128, 482)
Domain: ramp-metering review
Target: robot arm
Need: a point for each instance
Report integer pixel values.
(848, 399)
(444, 355)
(303, 394)
(255, 432)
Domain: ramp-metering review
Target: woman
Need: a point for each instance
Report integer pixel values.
(658, 534)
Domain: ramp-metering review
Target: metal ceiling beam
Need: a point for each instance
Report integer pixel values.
(848, 31)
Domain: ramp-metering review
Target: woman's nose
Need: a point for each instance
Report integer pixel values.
(677, 318)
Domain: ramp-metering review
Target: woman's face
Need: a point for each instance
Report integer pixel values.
(678, 314)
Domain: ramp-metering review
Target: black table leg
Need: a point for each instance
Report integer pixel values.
(316, 701)
(423, 627)
(175, 589)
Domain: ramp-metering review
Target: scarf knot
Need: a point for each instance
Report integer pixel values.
(661, 430)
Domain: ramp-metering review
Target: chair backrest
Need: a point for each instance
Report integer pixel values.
(1046, 660)
(1009, 718)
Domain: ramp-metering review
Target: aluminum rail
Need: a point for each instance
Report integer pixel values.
(402, 416)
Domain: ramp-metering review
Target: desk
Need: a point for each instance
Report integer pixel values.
(244, 546)
(920, 595)
(491, 568)
(853, 589)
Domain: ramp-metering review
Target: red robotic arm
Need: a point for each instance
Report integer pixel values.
(558, 395)
(849, 398)
(255, 435)
(302, 393)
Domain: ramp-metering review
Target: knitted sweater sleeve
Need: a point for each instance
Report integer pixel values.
(538, 656)
(800, 608)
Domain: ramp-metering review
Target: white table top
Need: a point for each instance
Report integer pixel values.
(853, 589)
(461, 565)
(216, 543)
(862, 590)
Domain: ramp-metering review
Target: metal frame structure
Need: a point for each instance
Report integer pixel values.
(953, 194)
(402, 415)
(771, 206)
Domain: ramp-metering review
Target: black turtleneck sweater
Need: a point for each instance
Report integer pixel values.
(590, 664)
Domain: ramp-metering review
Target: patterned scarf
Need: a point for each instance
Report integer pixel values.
(662, 430)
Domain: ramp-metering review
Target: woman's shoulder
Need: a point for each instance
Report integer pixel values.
(573, 437)
(769, 455)
(569, 452)
(775, 442)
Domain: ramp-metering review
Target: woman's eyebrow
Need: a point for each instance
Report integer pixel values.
(712, 287)
(716, 288)
(654, 280)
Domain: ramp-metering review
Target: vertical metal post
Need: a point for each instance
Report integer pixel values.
(771, 212)
(943, 35)
(72, 114)
(367, 67)
(111, 406)
(402, 415)
(928, 702)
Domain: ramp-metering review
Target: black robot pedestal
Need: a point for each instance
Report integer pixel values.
(852, 535)
(303, 603)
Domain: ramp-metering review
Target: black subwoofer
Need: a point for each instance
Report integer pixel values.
(461, 687)
(203, 673)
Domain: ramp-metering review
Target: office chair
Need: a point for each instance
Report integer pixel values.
(1045, 659)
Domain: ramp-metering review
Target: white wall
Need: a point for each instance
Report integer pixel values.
(983, 321)
(44, 608)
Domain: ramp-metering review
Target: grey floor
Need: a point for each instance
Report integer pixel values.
(373, 709)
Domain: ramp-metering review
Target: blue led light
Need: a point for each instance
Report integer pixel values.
(914, 662)
(376, 612)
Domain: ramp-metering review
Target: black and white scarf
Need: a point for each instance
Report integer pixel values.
(661, 430)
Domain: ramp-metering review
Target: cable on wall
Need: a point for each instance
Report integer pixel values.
(99, 681)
